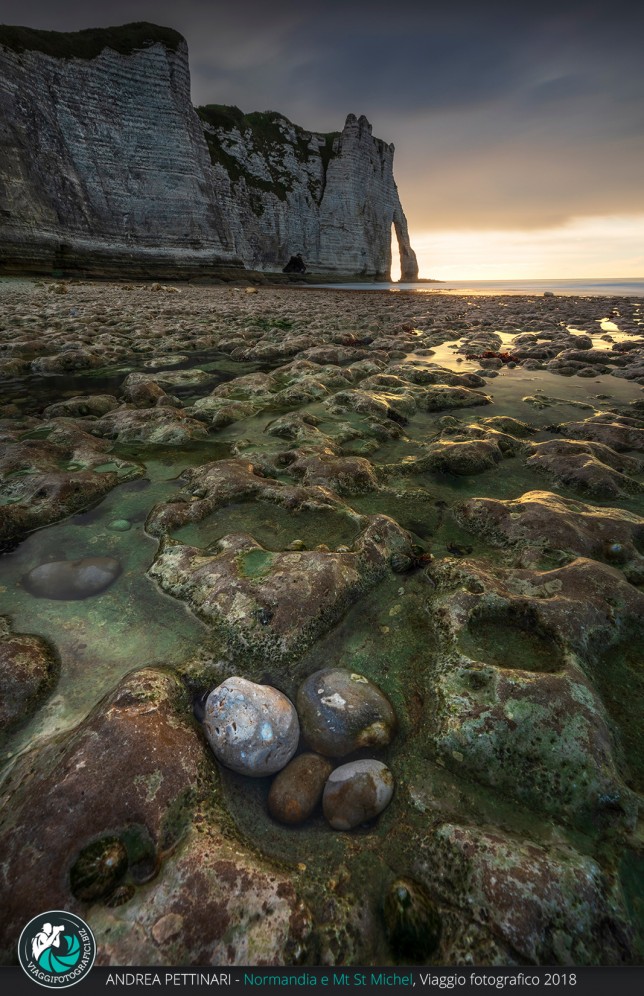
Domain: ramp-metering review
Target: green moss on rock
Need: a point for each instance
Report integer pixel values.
(265, 130)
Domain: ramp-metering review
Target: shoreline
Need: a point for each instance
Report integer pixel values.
(630, 289)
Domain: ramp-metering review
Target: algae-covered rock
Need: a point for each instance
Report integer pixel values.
(142, 392)
(543, 519)
(344, 475)
(520, 710)
(28, 670)
(511, 426)
(52, 470)
(164, 426)
(274, 605)
(462, 457)
(387, 396)
(218, 903)
(170, 379)
(619, 433)
(591, 467)
(213, 485)
(541, 738)
(550, 906)
(93, 404)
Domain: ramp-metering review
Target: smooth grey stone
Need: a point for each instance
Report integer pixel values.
(252, 729)
(72, 579)
(341, 712)
(356, 792)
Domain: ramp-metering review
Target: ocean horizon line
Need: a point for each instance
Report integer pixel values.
(593, 286)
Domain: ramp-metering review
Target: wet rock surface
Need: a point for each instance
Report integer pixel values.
(543, 519)
(273, 605)
(321, 483)
(49, 471)
(135, 776)
(592, 467)
(28, 670)
(520, 887)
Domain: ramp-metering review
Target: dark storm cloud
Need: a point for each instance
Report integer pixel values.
(502, 114)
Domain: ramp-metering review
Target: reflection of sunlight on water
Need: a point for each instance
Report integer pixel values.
(503, 288)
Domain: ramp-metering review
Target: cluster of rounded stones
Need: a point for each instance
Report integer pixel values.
(255, 730)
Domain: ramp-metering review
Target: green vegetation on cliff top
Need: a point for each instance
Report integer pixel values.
(268, 132)
(89, 43)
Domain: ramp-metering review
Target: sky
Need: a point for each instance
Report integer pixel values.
(519, 127)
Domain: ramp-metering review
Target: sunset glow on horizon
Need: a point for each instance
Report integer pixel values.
(604, 246)
(518, 128)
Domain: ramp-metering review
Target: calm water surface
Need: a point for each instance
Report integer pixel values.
(602, 287)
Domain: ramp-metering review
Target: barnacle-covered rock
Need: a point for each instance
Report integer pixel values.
(98, 869)
(412, 921)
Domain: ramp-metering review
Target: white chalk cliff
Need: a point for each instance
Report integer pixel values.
(106, 167)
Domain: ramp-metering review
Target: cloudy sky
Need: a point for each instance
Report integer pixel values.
(519, 128)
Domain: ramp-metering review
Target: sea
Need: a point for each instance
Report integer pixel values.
(598, 287)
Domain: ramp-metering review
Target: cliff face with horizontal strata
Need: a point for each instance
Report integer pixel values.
(331, 197)
(105, 166)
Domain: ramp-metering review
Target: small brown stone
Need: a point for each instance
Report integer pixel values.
(297, 789)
